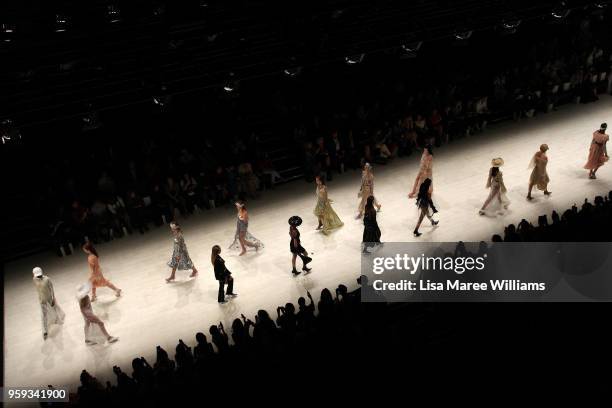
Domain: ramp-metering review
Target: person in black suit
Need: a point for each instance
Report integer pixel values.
(222, 275)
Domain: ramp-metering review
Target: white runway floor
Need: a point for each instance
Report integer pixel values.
(151, 312)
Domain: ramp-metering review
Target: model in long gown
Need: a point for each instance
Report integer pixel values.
(328, 219)
(371, 231)
(598, 153)
(539, 175)
(425, 170)
(497, 201)
(243, 238)
(366, 190)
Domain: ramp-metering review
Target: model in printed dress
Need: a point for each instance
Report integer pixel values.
(180, 256)
(243, 238)
(425, 204)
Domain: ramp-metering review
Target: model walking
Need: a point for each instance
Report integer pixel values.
(96, 278)
(367, 189)
(425, 170)
(497, 201)
(328, 219)
(50, 311)
(371, 232)
(295, 245)
(180, 256)
(424, 203)
(242, 238)
(539, 176)
(222, 275)
(89, 316)
(598, 152)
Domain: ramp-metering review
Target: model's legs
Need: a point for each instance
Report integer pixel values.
(489, 199)
(220, 296)
(416, 229)
(194, 272)
(45, 324)
(113, 287)
(320, 223)
(529, 192)
(93, 293)
(230, 286)
(293, 258)
(171, 278)
(242, 243)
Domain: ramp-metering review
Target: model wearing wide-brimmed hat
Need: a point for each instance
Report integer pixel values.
(295, 246)
(496, 202)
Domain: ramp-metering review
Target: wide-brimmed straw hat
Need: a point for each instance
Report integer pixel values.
(295, 221)
(497, 162)
(37, 272)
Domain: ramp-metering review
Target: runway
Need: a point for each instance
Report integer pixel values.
(152, 313)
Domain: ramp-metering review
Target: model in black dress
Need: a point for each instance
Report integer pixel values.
(371, 232)
(295, 246)
(424, 203)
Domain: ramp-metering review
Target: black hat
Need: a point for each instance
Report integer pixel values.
(295, 221)
(604, 125)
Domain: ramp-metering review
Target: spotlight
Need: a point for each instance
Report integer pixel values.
(293, 68)
(231, 84)
(560, 11)
(113, 14)
(292, 72)
(354, 59)
(61, 23)
(7, 31)
(8, 132)
(412, 47)
(91, 120)
(463, 35)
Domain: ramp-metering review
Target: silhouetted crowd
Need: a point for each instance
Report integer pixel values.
(591, 222)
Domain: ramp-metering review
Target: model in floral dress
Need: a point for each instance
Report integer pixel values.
(180, 256)
(328, 219)
(243, 238)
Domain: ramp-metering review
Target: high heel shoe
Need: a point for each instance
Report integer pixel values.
(295, 272)
(306, 270)
(417, 233)
(434, 223)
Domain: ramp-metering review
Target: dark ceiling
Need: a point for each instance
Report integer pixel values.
(160, 48)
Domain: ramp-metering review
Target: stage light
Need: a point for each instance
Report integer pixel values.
(354, 59)
(8, 132)
(463, 35)
(91, 120)
(511, 26)
(61, 23)
(560, 11)
(8, 31)
(292, 72)
(231, 84)
(113, 14)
